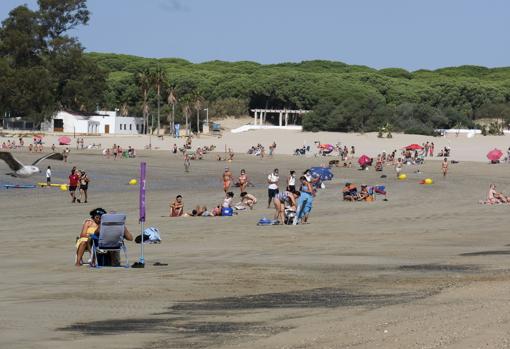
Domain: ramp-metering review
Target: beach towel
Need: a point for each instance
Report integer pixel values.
(266, 221)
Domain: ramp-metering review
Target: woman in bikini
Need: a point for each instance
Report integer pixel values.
(243, 181)
(89, 228)
(227, 179)
(444, 167)
(282, 198)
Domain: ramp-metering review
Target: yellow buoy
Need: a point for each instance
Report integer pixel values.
(428, 181)
(402, 176)
(133, 182)
(63, 187)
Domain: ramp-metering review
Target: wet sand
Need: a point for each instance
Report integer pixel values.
(426, 269)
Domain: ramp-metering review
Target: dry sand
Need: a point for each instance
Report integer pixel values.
(427, 269)
(463, 148)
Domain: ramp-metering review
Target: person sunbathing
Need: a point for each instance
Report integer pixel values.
(177, 207)
(350, 192)
(363, 194)
(493, 197)
(248, 200)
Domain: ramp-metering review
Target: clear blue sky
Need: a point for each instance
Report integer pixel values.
(412, 34)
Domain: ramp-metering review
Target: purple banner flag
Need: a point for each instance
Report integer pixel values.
(143, 167)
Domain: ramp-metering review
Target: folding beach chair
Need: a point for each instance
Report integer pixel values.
(111, 237)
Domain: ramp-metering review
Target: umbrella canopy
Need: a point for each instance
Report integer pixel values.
(364, 160)
(414, 147)
(494, 155)
(64, 140)
(324, 173)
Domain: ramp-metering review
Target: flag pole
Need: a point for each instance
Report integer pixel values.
(143, 167)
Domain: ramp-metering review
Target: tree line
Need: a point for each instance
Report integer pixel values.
(42, 70)
(342, 97)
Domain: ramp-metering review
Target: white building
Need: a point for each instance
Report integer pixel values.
(101, 122)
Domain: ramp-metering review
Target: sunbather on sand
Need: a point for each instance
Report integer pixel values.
(363, 194)
(350, 192)
(493, 197)
(177, 207)
(248, 200)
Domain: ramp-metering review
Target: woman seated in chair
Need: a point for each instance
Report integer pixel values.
(89, 228)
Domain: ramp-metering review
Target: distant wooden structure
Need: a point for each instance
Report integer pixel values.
(260, 115)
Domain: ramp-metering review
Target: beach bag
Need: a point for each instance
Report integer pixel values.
(150, 236)
(227, 211)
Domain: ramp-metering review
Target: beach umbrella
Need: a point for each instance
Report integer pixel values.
(64, 140)
(326, 148)
(414, 146)
(494, 155)
(323, 173)
(364, 160)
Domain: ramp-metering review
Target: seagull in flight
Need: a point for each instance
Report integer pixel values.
(20, 170)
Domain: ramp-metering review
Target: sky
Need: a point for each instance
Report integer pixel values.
(411, 34)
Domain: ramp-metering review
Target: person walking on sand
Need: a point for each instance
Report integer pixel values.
(272, 189)
(398, 167)
(444, 167)
(84, 187)
(74, 180)
(48, 177)
(227, 179)
(187, 163)
(65, 154)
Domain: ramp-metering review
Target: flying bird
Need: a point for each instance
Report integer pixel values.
(20, 170)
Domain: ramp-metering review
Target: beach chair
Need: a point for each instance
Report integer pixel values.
(111, 238)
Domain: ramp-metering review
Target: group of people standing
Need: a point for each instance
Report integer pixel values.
(78, 182)
(298, 201)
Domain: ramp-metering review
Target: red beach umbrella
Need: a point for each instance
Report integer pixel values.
(414, 146)
(363, 160)
(494, 155)
(64, 140)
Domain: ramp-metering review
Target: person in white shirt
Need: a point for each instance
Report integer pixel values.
(48, 176)
(272, 188)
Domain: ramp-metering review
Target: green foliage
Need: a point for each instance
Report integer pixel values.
(42, 69)
(342, 97)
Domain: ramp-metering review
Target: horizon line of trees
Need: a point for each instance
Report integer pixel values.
(342, 97)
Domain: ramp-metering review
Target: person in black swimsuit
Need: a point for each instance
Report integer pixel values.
(84, 187)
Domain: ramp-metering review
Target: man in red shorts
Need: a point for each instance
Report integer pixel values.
(74, 180)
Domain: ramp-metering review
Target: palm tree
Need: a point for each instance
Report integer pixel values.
(124, 111)
(197, 104)
(143, 79)
(186, 110)
(158, 78)
(171, 117)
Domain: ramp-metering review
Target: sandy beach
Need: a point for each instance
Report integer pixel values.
(426, 269)
(463, 148)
